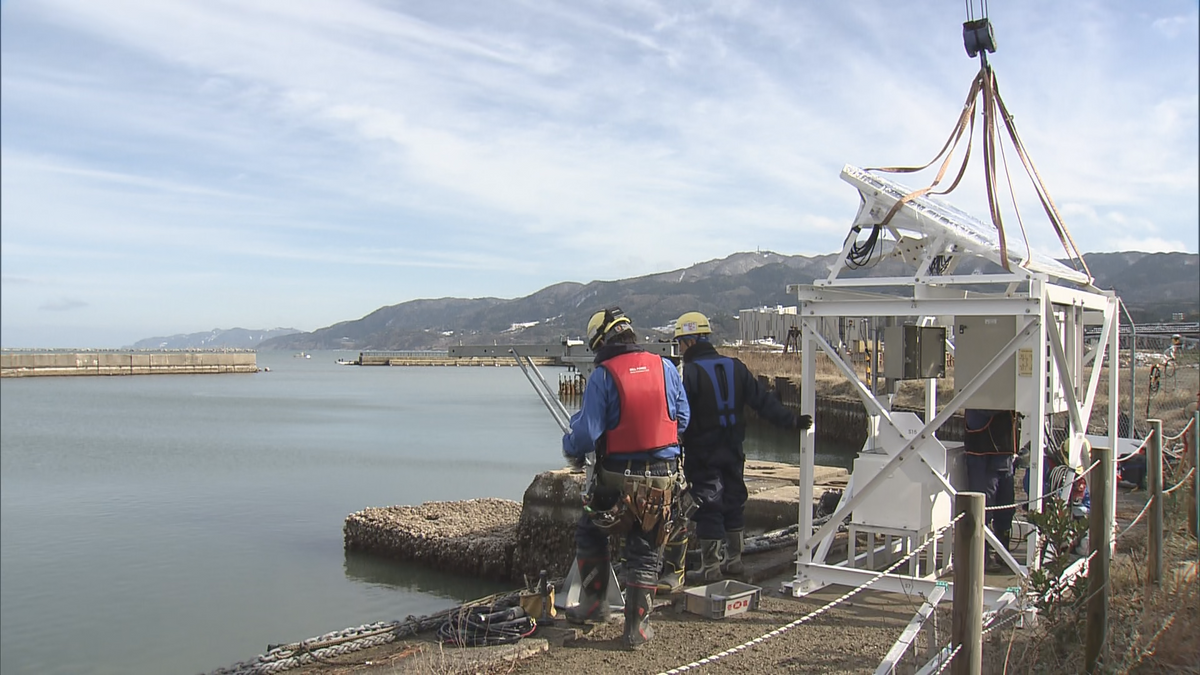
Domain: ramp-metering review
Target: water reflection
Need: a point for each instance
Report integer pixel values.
(380, 571)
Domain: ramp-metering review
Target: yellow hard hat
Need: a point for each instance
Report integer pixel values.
(604, 322)
(691, 323)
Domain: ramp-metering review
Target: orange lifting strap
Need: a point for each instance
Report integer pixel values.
(985, 84)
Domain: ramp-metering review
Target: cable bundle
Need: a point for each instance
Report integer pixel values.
(483, 625)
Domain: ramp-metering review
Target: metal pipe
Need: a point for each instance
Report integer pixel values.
(556, 408)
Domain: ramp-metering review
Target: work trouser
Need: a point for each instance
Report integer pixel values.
(993, 476)
(717, 484)
(642, 549)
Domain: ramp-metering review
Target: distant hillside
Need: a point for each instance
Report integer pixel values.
(1153, 285)
(217, 338)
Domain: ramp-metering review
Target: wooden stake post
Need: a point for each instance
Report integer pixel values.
(968, 584)
(1100, 545)
(1194, 499)
(1154, 544)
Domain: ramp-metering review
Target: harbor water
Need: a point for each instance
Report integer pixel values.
(180, 523)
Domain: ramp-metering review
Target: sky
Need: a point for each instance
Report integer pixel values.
(174, 166)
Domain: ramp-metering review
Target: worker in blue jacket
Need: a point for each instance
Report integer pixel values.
(718, 388)
(633, 411)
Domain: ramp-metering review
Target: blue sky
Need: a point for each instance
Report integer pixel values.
(177, 166)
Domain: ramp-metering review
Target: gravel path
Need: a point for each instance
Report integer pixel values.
(852, 638)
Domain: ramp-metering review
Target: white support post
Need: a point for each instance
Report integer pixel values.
(861, 493)
(1112, 320)
(1037, 445)
(808, 405)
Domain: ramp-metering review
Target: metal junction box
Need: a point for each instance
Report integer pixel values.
(976, 340)
(914, 352)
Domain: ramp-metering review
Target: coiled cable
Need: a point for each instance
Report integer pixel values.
(499, 624)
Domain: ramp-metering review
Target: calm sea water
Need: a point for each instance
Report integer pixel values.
(177, 524)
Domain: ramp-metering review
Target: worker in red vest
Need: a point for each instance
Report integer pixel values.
(633, 411)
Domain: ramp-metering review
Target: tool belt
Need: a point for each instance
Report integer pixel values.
(647, 506)
(634, 502)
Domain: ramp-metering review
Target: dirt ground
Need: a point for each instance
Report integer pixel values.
(851, 638)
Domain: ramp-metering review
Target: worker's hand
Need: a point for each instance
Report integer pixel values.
(576, 463)
(802, 422)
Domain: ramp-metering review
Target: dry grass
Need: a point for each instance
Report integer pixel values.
(1151, 629)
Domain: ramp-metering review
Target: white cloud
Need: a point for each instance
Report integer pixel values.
(390, 151)
(64, 305)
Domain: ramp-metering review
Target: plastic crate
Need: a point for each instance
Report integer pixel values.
(723, 598)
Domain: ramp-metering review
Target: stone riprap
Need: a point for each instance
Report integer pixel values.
(475, 537)
(503, 540)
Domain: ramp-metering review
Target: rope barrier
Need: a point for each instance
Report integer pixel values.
(1179, 435)
(1135, 520)
(1001, 623)
(948, 661)
(1181, 481)
(1135, 452)
(713, 658)
(1078, 476)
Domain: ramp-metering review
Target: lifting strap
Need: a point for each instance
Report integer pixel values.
(993, 105)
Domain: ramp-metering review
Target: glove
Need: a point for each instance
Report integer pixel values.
(802, 422)
(576, 463)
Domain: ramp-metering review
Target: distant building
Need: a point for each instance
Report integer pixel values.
(773, 324)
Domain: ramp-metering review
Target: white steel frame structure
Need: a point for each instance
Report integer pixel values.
(1052, 305)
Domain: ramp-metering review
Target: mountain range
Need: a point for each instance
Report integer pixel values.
(217, 338)
(1153, 287)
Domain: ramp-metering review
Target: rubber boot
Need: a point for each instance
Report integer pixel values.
(639, 602)
(710, 561)
(673, 564)
(735, 543)
(593, 594)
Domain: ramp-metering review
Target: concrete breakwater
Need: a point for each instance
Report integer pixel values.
(502, 540)
(38, 364)
(366, 359)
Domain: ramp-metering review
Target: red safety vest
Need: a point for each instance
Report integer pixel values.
(642, 391)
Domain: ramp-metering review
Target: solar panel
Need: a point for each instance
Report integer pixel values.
(933, 217)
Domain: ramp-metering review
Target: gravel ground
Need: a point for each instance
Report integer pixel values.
(851, 638)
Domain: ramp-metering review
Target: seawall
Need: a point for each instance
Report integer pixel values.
(41, 364)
